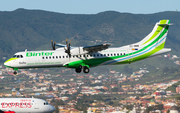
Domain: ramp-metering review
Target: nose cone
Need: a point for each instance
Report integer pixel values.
(8, 63)
(52, 109)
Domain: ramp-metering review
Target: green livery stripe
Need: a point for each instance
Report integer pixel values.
(141, 57)
(91, 62)
(98, 61)
(157, 31)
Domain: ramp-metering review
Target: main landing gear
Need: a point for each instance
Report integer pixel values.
(85, 69)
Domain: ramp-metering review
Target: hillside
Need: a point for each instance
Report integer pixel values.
(33, 29)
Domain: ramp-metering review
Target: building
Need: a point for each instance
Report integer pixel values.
(178, 89)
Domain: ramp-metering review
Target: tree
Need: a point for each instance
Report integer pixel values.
(53, 100)
(166, 69)
(60, 102)
(50, 87)
(57, 108)
(114, 89)
(17, 89)
(127, 69)
(74, 98)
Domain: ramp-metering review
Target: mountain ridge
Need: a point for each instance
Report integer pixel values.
(31, 29)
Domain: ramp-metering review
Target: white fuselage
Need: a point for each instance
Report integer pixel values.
(25, 105)
(57, 58)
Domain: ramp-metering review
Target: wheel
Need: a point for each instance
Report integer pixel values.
(78, 70)
(15, 72)
(86, 69)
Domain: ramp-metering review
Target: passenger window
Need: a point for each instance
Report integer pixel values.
(49, 57)
(111, 54)
(94, 55)
(121, 54)
(124, 53)
(84, 55)
(42, 57)
(97, 55)
(91, 55)
(79, 55)
(87, 55)
(17, 56)
(46, 57)
(107, 54)
(53, 57)
(56, 56)
(63, 56)
(59, 56)
(104, 54)
(114, 54)
(117, 54)
(66, 56)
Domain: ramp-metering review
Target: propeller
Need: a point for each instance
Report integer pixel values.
(67, 49)
(53, 45)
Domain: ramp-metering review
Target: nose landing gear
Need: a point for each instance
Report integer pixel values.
(15, 71)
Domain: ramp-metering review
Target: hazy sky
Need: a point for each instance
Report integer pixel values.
(93, 6)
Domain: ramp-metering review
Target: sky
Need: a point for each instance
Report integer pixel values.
(93, 6)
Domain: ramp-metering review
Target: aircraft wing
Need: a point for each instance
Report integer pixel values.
(96, 48)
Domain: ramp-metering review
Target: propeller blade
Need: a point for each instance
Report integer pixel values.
(53, 45)
(54, 48)
(69, 47)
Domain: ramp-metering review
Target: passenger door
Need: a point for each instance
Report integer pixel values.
(130, 53)
(36, 105)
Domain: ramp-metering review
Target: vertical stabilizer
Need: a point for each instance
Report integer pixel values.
(158, 35)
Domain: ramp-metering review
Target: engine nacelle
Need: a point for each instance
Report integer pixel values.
(78, 51)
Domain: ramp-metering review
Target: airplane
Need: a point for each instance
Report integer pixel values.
(83, 58)
(25, 105)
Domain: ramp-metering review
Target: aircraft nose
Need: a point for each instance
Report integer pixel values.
(52, 108)
(6, 63)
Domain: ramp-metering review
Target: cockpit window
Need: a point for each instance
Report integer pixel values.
(46, 103)
(17, 56)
